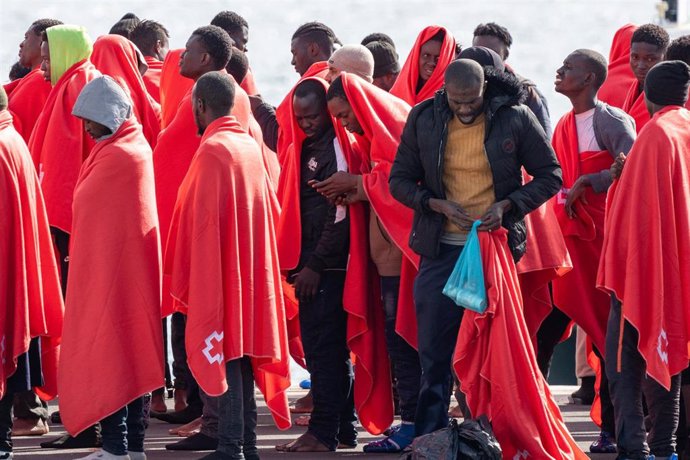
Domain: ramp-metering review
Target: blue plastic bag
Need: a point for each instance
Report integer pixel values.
(465, 285)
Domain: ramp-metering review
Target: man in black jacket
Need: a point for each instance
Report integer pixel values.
(460, 160)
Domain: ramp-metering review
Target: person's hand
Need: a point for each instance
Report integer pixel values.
(493, 217)
(576, 192)
(453, 212)
(617, 166)
(346, 200)
(307, 284)
(340, 183)
(255, 101)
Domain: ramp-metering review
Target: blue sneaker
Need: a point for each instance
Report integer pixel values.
(671, 457)
(396, 442)
(604, 444)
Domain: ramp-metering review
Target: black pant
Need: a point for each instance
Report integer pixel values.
(627, 388)
(183, 377)
(438, 323)
(404, 358)
(323, 324)
(237, 414)
(124, 430)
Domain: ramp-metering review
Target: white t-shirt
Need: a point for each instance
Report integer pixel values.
(586, 140)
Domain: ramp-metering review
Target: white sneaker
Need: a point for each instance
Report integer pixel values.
(4, 455)
(103, 455)
(137, 455)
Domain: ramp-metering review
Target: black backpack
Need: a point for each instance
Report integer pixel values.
(469, 440)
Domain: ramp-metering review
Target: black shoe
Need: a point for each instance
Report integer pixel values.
(182, 417)
(217, 456)
(86, 439)
(585, 394)
(198, 441)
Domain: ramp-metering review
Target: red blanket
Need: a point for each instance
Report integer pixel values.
(284, 110)
(59, 144)
(173, 86)
(635, 106)
(646, 247)
(497, 367)
(224, 265)
(152, 78)
(584, 235)
(116, 57)
(26, 101)
(248, 84)
(620, 75)
(405, 86)
(29, 287)
(112, 343)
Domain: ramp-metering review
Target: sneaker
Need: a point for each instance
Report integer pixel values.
(137, 455)
(604, 444)
(104, 455)
(396, 442)
(671, 457)
(4, 455)
(585, 394)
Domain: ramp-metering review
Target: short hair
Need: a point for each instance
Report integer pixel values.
(679, 50)
(238, 65)
(336, 90)
(217, 91)
(125, 25)
(494, 30)
(311, 87)
(3, 98)
(218, 44)
(318, 33)
(464, 72)
(229, 21)
(596, 63)
(378, 37)
(147, 33)
(652, 34)
(18, 71)
(39, 26)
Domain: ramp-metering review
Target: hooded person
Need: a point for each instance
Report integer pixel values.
(647, 47)
(386, 65)
(620, 75)
(381, 318)
(28, 96)
(586, 141)
(120, 59)
(30, 281)
(354, 59)
(112, 340)
(422, 74)
(152, 39)
(642, 268)
(223, 262)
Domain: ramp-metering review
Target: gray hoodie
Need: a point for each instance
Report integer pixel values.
(103, 101)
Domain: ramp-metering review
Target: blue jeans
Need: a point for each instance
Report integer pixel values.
(438, 324)
(323, 324)
(124, 430)
(237, 416)
(404, 358)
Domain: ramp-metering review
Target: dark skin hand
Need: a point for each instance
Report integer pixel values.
(577, 192)
(255, 101)
(453, 212)
(307, 284)
(493, 218)
(339, 184)
(617, 166)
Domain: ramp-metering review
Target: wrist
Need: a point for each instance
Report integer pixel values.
(506, 205)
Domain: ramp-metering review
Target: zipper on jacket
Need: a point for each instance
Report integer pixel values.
(441, 151)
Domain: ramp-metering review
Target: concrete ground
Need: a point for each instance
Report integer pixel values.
(576, 417)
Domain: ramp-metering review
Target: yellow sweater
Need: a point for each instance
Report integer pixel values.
(467, 174)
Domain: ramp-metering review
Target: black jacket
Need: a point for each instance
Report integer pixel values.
(513, 139)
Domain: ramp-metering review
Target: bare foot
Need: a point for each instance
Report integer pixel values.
(180, 399)
(455, 412)
(302, 420)
(190, 429)
(305, 443)
(29, 427)
(303, 405)
(158, 403)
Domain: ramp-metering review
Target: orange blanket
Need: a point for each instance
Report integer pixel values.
(173, 86)
(59, 144)
(635, 106)
(584, 235)
(29, 287)
(112, 343)
(116, 57)
(405, 86)
(620, 75)
(223, 261)
(248, 84)
(646, 247)
(497, 367)
(152, 78)
(26, 102)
